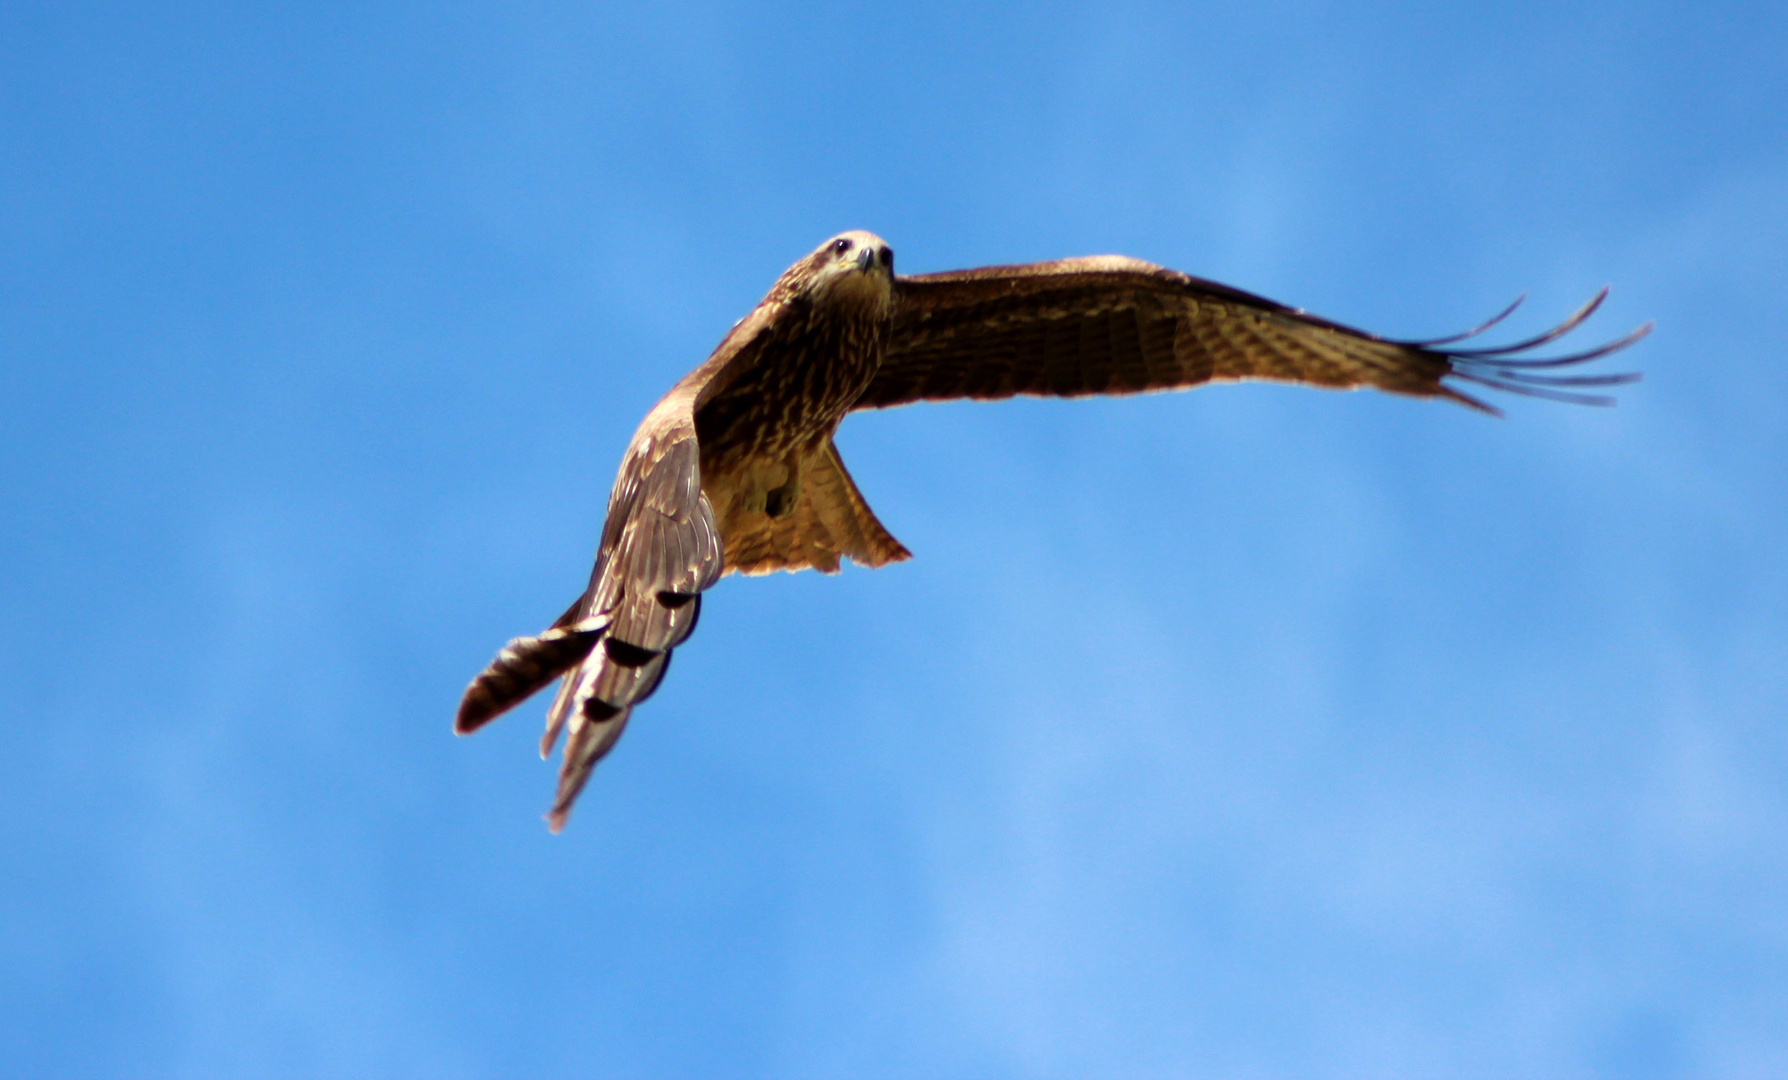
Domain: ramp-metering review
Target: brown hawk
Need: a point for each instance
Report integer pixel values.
(735, 468)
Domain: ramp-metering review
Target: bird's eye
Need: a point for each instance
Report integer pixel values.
(841, 246)
(888, 259)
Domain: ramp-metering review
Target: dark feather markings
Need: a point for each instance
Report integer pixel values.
(625, 654)
(661, 550)
(596, 710)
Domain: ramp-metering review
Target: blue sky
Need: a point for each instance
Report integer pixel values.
(1256, 731)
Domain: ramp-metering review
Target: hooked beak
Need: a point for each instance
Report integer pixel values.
(866, 259)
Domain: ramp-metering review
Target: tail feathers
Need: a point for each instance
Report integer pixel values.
(831, 521)
(522, 668)
(845, 512)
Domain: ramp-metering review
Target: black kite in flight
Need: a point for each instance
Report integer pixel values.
(735, 468)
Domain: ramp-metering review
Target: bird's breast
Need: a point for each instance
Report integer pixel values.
(806, 377)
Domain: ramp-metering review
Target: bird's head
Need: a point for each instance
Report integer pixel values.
(854, 267)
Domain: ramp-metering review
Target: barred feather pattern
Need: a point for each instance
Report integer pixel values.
(660, 549)
(1107, 324)
(522, 668)
(647, 585)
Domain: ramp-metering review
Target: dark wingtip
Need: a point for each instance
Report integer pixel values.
(1506, 369)
(473, 712)
(521, 669)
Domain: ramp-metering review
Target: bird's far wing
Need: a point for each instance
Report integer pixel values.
(660, 549)
(1112, 325)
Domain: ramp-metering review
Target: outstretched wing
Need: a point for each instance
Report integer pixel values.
(660, 549)
(1113, 325)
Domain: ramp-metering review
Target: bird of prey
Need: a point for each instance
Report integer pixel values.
(735, 470)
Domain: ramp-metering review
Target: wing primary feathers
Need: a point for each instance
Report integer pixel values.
(588, 744)
(1536, 391)
(1502, 369)
(1430, 343)
(660, 549)
(1526, 379)
(1491, 357)
(524, 666)
(666, 551)
(1537, 340)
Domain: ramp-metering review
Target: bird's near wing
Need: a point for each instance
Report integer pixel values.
(1112, 325)
(660, 549)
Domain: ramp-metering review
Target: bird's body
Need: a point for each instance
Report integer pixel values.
(786, 376)
(735, 469)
